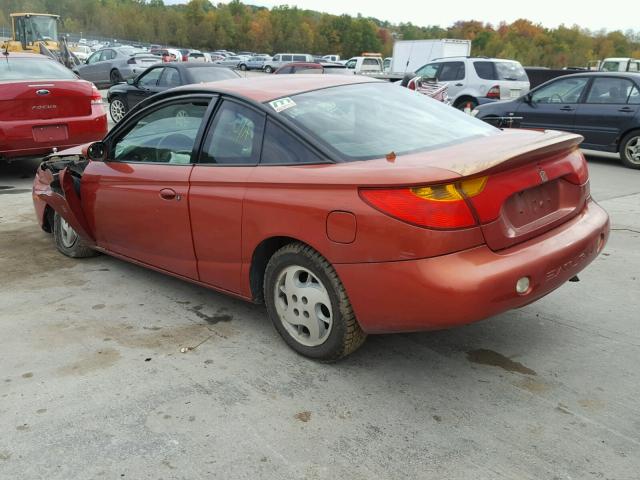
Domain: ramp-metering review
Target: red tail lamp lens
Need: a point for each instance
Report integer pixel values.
(435, 206)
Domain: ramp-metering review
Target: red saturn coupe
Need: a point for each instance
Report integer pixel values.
(44, 106)
(348, 205)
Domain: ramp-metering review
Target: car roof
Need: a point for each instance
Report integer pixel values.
(264, 89)
(634, 75)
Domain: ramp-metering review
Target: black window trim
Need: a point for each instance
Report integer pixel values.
(123, 128)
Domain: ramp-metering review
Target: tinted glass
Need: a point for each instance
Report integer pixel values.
(166, 135)
(634, 97)
(451, 71)
(609, 90)
(565, 90)
(400, 120)
(286, 58)
(234, 137)
(485, 70)
(299, 58)
(370, 61)
(150, 79)
(32, 69)
(279, 147)
(170, 78)
(211, 74)
(493, 70)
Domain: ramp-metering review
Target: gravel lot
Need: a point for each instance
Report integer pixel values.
(93, 383)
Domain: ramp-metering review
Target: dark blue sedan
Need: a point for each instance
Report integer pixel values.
(603, 107)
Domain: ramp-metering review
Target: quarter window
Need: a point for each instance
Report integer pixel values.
(287, 58)
(280, 147)
(610, 90)
(634, 96)
(165, 135)
(235, 136)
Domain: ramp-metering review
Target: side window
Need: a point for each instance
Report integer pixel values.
(370, 61)
(565, 90)
(634, 96)
(108, 55)
(279, 147)
(485, 70)
(276, 58)
(234, 137)
(429, 71)
(634, 66)
(287, 58)
(150, 79)
(609, 90)
(94, 58)
(451, 71)
(165, 135)
(299, 58)
(170, 78)
(351, 64)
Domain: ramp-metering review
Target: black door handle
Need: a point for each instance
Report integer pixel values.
(566, 109)
(626, 110)
(459, 84)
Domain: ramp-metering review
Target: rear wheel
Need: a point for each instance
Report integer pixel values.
(268, 69)
(115, 77)
(308, 304)
(630, 150)
(117, 109)
(243, 67)
(67, 240)
(463, 103)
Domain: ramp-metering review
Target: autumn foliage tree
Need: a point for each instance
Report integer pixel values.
(239, 26)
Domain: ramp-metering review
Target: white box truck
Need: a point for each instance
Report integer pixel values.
(409, 55)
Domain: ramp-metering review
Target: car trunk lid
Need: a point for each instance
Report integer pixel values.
(46, 100)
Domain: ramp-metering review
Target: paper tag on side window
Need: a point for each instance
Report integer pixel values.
(282, 104)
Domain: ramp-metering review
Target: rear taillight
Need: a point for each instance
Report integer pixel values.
(433, 206)
(131, 61)
(494, 92)
(412, 84)
(96, 97)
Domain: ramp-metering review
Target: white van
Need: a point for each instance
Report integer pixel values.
(280, 59)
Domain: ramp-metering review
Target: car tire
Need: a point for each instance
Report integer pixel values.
(630, 150)
(300, 285)
(68, 242)
(118, 108)
(462, 104)
(243, 67)
(268, 69)
(115, 77)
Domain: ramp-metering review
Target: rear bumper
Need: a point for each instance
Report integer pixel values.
(467, 286)
(17, 139)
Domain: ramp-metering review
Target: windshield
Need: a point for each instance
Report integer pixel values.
(33, 69)
(211, 74)
(43, 28)
(496, 70)
(371, 120)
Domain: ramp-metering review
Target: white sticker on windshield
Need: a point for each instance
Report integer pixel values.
(282, 104)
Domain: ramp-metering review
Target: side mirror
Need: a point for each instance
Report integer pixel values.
(528, 98)
(131, 81)
(97, 152)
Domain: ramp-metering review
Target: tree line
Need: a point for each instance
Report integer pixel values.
(238, 26)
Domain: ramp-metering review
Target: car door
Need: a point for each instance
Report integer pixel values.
(144, 86)
(138, 197)
(89, 71)
(453, 74)
(230, 151)
(553, 105)
(607, 112)
(103, 67)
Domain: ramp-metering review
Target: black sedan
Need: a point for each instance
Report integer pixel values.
(603, 107)
(158, 78)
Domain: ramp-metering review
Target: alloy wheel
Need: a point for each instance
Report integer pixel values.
(69, 235)
(303, 305)
(632, 149)
(117, 109)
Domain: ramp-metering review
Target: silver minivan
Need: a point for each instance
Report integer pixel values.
(280, 59)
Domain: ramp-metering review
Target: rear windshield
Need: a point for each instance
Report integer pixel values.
(371, 120)
(501, 71)
(211, 74)
(33, 69)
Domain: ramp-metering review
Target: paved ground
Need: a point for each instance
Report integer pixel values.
(93, 384)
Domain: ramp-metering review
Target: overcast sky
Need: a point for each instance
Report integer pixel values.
(594, 15)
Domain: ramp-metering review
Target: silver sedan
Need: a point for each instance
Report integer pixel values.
(112, 65)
